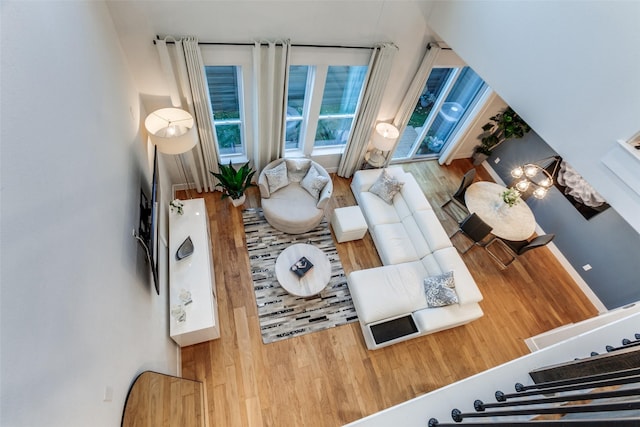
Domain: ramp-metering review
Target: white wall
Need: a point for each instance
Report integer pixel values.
(570, 69)
(345, 22)
(78, 312)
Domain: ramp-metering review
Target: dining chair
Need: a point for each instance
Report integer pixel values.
(517, 248)
(458, 197)
(474, 229)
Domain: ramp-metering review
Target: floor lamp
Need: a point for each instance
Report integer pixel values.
(172, 131)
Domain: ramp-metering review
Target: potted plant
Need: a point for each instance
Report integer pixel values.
(501, 127)
(234, 182)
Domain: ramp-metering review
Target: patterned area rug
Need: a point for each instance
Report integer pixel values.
(281, 314)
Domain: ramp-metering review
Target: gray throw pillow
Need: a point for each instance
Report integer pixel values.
(386, 187)
(440, 291)
(313, 182)
(297, 169)
(277, 177)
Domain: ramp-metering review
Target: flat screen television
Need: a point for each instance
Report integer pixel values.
(148, 225)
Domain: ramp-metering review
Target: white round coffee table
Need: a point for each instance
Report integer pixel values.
(314, 280)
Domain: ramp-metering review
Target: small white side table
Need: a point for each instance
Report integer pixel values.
(348, 224)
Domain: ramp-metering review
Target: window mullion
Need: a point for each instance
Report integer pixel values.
(246, 120)
(438, 105)
(435, 110)
(314, 103)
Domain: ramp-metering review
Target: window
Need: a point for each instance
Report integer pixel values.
(295, 105)
(324, 91)
(446, 101)
(224, 93)
(339, 102)
(323, 94)
(228, 72)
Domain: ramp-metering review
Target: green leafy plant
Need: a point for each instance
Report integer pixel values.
(501, 127)
(177, 206)
(234, 182)
(511, 197)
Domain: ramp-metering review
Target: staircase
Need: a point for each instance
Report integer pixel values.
(587, 380)
(597, 387)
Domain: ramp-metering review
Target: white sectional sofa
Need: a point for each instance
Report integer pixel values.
(412, 245)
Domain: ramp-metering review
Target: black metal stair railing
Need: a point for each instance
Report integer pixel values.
(626, 343)
(458, 415)
(573, 386)
(606, 397)
(580, 423)
(619, 358)
(598, 377)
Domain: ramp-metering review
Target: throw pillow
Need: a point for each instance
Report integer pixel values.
(297, 169)
(313, 182)
(386, 187)
(277, 177)
(439, 290)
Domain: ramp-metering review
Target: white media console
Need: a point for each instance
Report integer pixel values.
(193, 274)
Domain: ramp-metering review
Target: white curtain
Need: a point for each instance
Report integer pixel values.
(167, 68)
(270, 74)
(202, 107)
(175, 78)
(415, 90)
(365, 119)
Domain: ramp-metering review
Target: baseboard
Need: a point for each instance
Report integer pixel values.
(179, 359)
(183, 187)
(584, 287)
(565, 332)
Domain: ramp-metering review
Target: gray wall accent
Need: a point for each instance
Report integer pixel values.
(606, 242)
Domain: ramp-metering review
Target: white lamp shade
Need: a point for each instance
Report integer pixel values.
(384, 137)
(171, 130)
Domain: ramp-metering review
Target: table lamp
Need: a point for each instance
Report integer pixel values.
(383, 140)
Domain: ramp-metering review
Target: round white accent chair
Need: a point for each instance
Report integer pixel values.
(294, 196)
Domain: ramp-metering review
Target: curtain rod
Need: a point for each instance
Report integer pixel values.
(264, 43)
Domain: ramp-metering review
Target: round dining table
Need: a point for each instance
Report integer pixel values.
(509, 223)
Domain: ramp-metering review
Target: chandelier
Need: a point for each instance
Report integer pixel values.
(535, 177)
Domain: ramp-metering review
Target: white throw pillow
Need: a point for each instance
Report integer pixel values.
(297, 169)
(440, 291)
(277, 177)
(386, 187)
(313, 182)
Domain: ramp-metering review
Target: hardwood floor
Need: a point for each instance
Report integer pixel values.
(158, 400)
(329, 378)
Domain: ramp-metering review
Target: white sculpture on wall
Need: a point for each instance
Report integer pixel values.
(577, 187)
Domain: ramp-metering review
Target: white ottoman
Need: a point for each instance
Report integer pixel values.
(348, 224)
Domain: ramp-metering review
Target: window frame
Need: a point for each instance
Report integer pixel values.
(319, 59)
(241, 57)
(447, 59)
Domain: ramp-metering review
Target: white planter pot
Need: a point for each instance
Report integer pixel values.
(238, 202)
